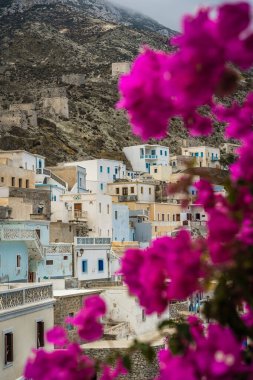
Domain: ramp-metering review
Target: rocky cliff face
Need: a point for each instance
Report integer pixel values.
(56, 59)
(101, 9)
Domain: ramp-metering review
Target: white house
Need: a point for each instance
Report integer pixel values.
(100, 172)
(24, 160)
(142, 157)
(96, 209)
(128, 191)
(205, 156)
(92, 258)
(26, 313)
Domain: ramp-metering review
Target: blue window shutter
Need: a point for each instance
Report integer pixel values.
(100, 265)
(84, 266)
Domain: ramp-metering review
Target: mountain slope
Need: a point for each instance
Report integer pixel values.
(101, 9)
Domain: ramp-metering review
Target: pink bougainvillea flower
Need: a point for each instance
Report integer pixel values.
(205, 194)
(110, 373)
(242, 169)
(60, 364)
(87, 319)
(146, 96)
(239, 118)
(215, 355)
(57, 335)
(222, 230)
(172, 267)
(161, 86)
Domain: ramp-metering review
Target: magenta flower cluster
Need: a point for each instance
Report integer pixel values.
(167, 270)
(165, 85)
(214, 354)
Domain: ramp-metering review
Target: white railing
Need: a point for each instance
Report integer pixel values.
(92, 241)
(80, 214)
(14, 234)
(17, 297)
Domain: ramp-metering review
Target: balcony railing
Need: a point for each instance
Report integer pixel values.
(17, 297)
(214, 159)
(58, 249)
(80, 214)
(128, 198)
(13, 234)
(151, 156)
(92, 241)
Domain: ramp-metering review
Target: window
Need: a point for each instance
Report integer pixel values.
(168, 217)
(80, 182)
(101, 169)
(162, 217)
(143, 315)
(101, 186)
(196, 154)
(116, 215)
(197, 216)
(65, 258)
(84, 266)
(70, 327)
(149, 190)
(161, 152)
(153, 152)
(141, 153)
(49, 262)
(108, 170)
(108, 209)
(20, 182)
(155, 170)
(141, 190)
(27, 183)
(125, 190)
(13, 181)
(100, 208)
(18, 261)
(2, 179)
(201, 154)
(178, 217)
(166, 153)
(8, 348)
(173, 217)
(40, 334)
(100, 265)
(116, 170)
(117, 190)
(132, 190)
(155, 228)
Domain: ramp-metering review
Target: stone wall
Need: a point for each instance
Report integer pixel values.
(120, 68)
(10, 119)
(74, 79)
(63, 307)
(99, 283)
(28, 109)
(40, 200)
(141, 369)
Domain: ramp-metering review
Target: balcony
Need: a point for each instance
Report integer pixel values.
(30, 237)
(213, 159)
(92, 241)
(127, 198)
(83, 215)
(56, 249)
(151, 156)
(17, 296)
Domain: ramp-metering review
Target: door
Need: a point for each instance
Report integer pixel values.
(77, 210)
(32, 277)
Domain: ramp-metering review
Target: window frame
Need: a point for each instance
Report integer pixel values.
(7, 363)
(40, 321)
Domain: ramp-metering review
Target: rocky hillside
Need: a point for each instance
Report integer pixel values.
(56, 59)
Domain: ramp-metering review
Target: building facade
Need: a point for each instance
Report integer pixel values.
(142, 157)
